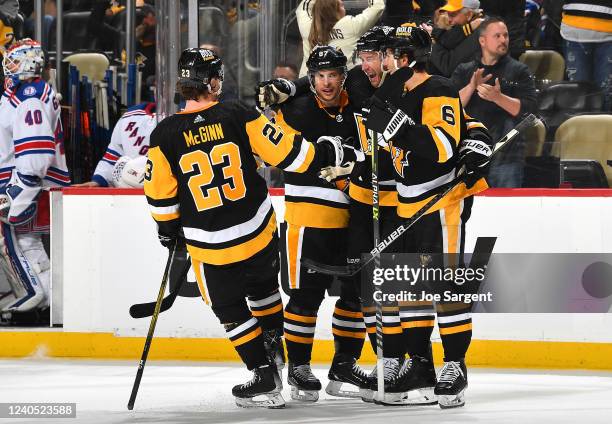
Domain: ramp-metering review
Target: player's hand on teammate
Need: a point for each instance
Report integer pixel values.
(475, 155)
(87, 184)
(341, 152)
(384, 118)
(272, 92)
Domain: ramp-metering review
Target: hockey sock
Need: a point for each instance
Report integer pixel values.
(299, 326)
(455, 324)
(418, 320)
(348, 328)
(248, 341)
(268, 309)
(393, 338)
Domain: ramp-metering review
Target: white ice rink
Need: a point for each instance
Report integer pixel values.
(201, 393)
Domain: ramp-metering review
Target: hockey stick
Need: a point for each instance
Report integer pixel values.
(142, 310)
(147, 345)
(352, 269)
(380, 373)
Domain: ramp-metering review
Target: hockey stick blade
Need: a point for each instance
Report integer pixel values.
(143, 310)
(350, 270)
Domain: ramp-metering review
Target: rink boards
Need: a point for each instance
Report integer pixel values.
(106, 257)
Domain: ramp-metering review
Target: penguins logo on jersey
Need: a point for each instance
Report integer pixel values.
(400, 160)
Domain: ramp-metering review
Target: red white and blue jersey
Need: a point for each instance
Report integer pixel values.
(31, 136)
(130, 138)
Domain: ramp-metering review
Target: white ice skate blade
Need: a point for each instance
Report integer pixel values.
(452, 401)
(271, 400)
(334, 388)
(423, 396)
(304, 395)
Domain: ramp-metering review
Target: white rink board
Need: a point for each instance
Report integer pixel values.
(112, 259)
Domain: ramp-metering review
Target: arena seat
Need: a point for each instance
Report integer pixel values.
(76, 36)
(546, 65)
(582, 139)
(560, 101)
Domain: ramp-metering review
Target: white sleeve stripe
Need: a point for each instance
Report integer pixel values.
(446, 143)
(301, 157)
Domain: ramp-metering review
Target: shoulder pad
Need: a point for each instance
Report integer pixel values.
(37, 89)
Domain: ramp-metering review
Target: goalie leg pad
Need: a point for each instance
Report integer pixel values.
(27, 267)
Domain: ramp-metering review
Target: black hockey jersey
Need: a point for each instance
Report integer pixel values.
(425, 156)
(201, 176)
(311, 201)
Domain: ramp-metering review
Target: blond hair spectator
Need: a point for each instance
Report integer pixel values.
(325, 22)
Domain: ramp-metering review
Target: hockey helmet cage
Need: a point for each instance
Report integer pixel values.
(198, 66)
(413, 41)
(374, 40)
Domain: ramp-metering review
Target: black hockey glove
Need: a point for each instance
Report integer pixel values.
(272, 92)
(170, 241)
(475, 155)
(384, 118)
(340, 152)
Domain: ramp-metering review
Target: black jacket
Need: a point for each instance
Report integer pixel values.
(453, 47)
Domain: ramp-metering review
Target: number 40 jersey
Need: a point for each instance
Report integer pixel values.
(202, 176)
(31, 136)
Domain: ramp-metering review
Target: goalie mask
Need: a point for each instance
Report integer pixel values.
(197, 67)
(25, 59)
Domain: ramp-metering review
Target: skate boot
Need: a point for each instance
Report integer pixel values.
(261, 386)
(275, 351)
(452, 382)
(390, 370)
(304, 385)
(344, 370)
(414, 384)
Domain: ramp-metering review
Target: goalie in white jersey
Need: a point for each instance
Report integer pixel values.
(124, 161)
(31, 159)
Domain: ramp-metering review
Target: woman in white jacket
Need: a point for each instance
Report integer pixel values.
(325, 22)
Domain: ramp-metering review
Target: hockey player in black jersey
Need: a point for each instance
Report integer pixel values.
(316, 215)
(430, 138)
(201, 180)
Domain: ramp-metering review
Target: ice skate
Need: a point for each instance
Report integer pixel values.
(260, 391)
(275, 351)
(304, 385)
(451, 385)
(345, 371)
(414, 384)
(390, 369)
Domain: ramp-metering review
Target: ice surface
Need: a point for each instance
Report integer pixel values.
(194, 392)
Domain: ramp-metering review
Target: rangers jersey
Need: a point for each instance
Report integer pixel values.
(201, 176)
(311, 201)
(130, 138)
(31, 133)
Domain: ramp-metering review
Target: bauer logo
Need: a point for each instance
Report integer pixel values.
(29, 91)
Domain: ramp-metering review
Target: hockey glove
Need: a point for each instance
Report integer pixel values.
(384, 118)
(272, 92)
(169, 241)
(340, 154)
(475, 155)
(334, 173)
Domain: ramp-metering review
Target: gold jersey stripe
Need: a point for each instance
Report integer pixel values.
(304, 214)
(364, 195)
(586, 22)
(165, 216)
(236, 253)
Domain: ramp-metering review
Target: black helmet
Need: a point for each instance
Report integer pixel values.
(198, 66)
(326, 57)
(374, 40)
(413, 41)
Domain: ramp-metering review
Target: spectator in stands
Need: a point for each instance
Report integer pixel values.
(49, 11)
(324, 22)
(145, 36)
(497, 90)
(459, 44)
(513, 14)
(285, 70)
(586, 28)
(398, 12)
